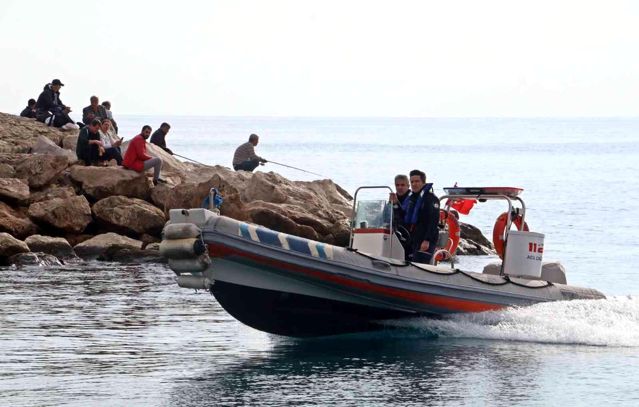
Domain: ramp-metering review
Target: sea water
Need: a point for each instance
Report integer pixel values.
(110, 334)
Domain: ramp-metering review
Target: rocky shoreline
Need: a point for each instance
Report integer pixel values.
(52, 208)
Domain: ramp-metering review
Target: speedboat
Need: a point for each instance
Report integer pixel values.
(287, 285)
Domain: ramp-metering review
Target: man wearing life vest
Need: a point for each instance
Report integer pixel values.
(421, 217)
(398, 197)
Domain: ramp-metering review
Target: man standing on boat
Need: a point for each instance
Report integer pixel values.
(245, 158)
(421, 217)
(398, 197)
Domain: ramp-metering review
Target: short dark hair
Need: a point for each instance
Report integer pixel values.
(401, 177)
(94, 98)
(253, 137)
(165, 124)
(146, 126)
(106, 104)
(421, 174)
(31, 102)
(96, 122)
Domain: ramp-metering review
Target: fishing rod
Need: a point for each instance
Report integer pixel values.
(295, 168)
(190, 159)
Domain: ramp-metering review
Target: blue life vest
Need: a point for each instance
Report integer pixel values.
(217, 199)
(411, 212)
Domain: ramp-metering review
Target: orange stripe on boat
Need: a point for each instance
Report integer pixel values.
(449, 303)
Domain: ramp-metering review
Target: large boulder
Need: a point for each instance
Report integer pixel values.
(34, 259)
(9, 246)
(14, 190)
(470, 232)
(15, 222)
(7, 171)
(130, 215)
(51, 192)
(318, 210)
(126, 254)
(102, 182)
(38, 169)
(56, 246)
(98, 245)
(172, 168)
(70, 142)
(68, 214)
(19, 134)
(44, 145)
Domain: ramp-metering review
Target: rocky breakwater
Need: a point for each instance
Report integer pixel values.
(52, 205)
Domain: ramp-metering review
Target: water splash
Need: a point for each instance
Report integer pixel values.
(610, 322)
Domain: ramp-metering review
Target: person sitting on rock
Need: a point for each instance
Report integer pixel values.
(245, 158)
(94, 111)
(89, 143)
(110, 143)
(30, 110)
(137, 159)
(107, 107)
(50, 110)
(158, 137)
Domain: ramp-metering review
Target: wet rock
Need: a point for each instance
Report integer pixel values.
(44, 145)
(130, 215)
(19, 134)
(103, 182)
(126, 254)
(51, 192)
(14, 190)
(56, 246)
(67, 214)
(97, 245)
(149, 240)
(470, 232)
(34, 259)
(9, 246)
(15, 223)
(469, 247)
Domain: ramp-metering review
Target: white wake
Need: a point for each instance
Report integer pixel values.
(610, 322)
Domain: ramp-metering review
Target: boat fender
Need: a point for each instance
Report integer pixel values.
(193, 265)
(182, 248)
(451, 225)
(181, 231)
(498, 231)
(195, 282)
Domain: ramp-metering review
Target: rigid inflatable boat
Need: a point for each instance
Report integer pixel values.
(287, 285)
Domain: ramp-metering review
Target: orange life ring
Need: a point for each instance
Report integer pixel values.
(454, 233)
(498, 231)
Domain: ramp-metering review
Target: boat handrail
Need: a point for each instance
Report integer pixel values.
(350, 244)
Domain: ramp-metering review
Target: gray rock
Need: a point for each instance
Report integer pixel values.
(56, 246)
(9, 246)
(126, 254)
(94, 247)
(44, 145)
(14, 190)
(68, 214)
(34, 259)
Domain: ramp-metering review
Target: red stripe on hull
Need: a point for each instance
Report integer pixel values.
(451, 304)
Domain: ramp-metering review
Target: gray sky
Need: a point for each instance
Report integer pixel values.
(326, 58)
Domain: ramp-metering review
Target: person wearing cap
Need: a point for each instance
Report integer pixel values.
(30, 110)
(136, 158)
(245, 158)
(158, 137)
(94, 111)
(50, 109)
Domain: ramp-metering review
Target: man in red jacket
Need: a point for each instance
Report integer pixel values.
(137, 159)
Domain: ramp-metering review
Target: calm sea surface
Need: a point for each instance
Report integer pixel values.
(110, 334)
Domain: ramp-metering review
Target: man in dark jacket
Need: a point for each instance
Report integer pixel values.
(421, 218)
(398, 197)
(158, 137)
(88, 147)
(50, 109)
(30, 110)
(94, 111)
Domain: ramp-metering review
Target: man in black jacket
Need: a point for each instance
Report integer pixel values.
(50, 109)
(158, 137)
(30, 110)
(94, 111)
(421, 218)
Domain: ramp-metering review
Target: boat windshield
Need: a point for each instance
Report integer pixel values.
(372, 214)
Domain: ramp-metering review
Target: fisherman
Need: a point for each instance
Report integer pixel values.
(158, 137)
(94, 111)
(107, 107)
(88, 147)
(50, 110)
(421, 218)
(245, 158)
(137, 159)
(30, 110)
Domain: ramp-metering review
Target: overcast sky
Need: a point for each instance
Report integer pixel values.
(326, 58)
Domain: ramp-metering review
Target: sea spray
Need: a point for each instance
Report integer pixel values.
(610, 322)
